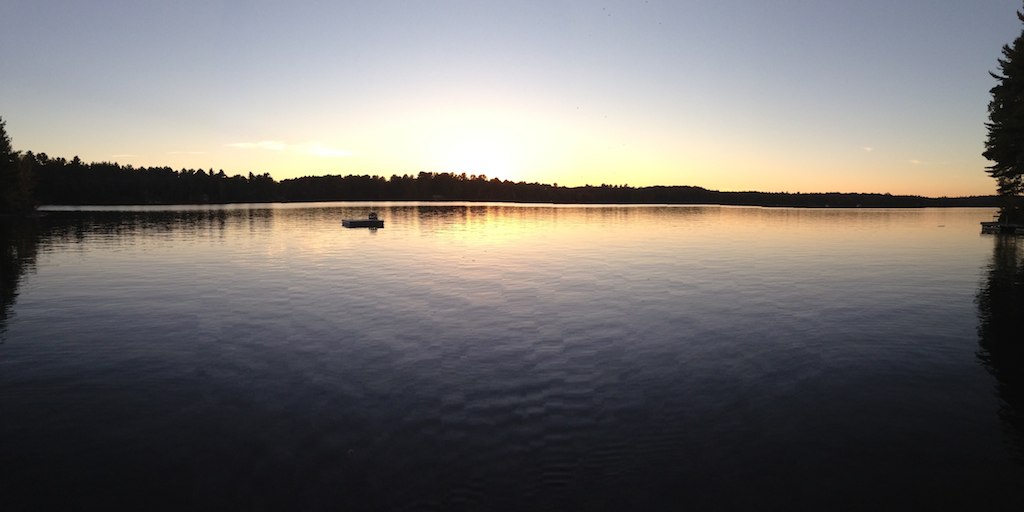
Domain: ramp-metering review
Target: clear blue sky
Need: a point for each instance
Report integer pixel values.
(787, 95)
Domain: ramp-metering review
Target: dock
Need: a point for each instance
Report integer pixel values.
(370, 222)
(996, 227)
(362, 223)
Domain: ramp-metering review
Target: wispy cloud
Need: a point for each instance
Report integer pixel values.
(930, 164)
(123, 155)
(309, 148)
(187, 152)
(868, 149)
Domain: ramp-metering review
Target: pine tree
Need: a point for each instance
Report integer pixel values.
(1005, 143)
(15, 176)
(8, 170)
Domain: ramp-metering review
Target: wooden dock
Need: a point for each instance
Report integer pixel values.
(362, 223)
(371, 221)
(996, 227)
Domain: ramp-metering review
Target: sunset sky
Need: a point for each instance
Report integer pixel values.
(787, 95)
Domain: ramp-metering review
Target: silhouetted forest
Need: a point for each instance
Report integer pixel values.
(60, 181)
(15, 177)
(28, 179)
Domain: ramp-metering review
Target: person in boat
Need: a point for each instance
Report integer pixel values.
(373, 215)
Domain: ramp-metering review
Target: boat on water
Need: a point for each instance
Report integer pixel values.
(370, 222)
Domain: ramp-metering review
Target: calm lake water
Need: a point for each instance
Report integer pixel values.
(497, 356)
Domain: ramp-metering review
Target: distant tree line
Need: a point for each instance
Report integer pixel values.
(28, 179)
(59, 181)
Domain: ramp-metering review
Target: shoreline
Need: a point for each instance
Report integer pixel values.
(939, 203)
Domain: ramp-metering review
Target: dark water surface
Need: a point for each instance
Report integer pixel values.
(481, 357)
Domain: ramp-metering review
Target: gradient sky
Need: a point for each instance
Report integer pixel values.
(784, 95)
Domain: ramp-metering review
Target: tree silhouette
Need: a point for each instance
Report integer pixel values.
(1005, 143)
(15, 176)
(8, 169)
(28, 178)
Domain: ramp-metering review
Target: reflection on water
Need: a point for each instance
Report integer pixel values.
(17, 255)
(1001, 310)
(496, 356)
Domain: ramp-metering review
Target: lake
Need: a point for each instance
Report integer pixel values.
(516, 357)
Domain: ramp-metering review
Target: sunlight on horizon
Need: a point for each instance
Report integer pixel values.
(478, 154)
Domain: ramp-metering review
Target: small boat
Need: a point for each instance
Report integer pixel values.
(370, 222)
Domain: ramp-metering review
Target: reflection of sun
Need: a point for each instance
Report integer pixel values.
(479, 154)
